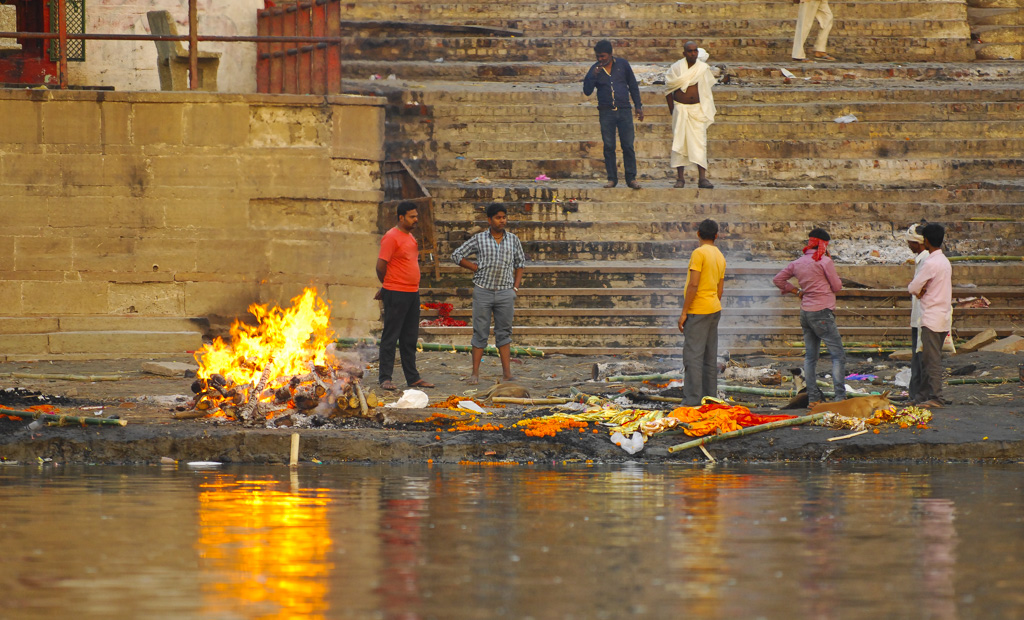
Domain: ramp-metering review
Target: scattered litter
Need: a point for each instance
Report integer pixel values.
(468, 404)
(787, 73)
(204, 464)
(853, 390)
(479, 180)
(411, 399)
(857, 377)
(166, 460)
(971, 302)
(439, 60)
(632, 445)
(848, 118)
(375, 76)
(542, 177)
(460, 157)
(392, 76)
(902, 378)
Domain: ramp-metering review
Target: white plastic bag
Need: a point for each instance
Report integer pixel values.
(411, 399)
(902, 378)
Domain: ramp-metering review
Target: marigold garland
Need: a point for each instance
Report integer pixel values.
(548, 426)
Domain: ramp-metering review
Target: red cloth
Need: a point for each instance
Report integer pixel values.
(820, 247)
(399, 250)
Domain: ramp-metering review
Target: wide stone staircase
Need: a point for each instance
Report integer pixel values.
(936, 137)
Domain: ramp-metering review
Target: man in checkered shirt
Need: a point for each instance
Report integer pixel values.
(497, 273)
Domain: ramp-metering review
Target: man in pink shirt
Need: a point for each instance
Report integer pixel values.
(398, 270)
(933, 286)
(818, 284)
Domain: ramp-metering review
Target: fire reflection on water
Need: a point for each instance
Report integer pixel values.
(264, 552)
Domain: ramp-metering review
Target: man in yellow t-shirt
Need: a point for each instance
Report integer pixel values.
(702, 309)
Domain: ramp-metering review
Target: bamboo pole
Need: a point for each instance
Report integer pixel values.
(62, 377)
(750, 430)
(293, 459)
(970, 381)
(656, 377)
(847, 436)
(61, 419)
(954, 259)
(530, 401)
(454, 348)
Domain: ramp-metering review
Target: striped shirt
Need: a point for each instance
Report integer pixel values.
(497, 261)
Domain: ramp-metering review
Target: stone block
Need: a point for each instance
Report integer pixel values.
(21, 122)
(301, 258)
(357, 132)
(54, 298)
(287, 126)
(118, 175)
(187, 170)
(25, 173)
(42, 254)
(172, 255)
(170, 369)
(106, 212)
(25, 214)
(227, 299)
(350, 174)
(27, 325)
(984, 338)
(1010, 344)
(10, 292)
(353, 303)
(157, 123)
(225, 216)
(103, 254)
(217, 124)
(116, 121)
(248, 257)
(71, 122)
(24, 344)
(124, 342)
(157, 298)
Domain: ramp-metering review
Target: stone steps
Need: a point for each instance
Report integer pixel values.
(98, 337)
(647, 49)
(522, 14)
(742, 72)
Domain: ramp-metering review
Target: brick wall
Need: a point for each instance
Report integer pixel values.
(187, 205)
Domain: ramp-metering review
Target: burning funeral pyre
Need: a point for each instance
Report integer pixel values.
(282, 368)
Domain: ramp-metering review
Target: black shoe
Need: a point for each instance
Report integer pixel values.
(633, 184)
(610, 184)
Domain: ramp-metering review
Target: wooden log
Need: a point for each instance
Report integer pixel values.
(245, 413)
(750, 430)
(598, 372)
(189, 415)
(362, 399)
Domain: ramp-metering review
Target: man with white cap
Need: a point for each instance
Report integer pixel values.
(916, 244)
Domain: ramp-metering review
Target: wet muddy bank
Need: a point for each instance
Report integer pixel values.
(982, 422)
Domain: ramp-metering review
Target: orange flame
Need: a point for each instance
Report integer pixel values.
(287, 339)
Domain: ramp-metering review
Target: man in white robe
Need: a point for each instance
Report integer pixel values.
(688, 85)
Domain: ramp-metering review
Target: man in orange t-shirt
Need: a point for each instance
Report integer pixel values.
(702, 310)
(398, 270)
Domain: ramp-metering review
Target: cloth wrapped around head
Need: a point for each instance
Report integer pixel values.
(818, 241)
(913, 235)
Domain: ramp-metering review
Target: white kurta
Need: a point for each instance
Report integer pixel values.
(690, 121)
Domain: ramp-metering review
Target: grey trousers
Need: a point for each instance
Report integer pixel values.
(931, 365)
(700, 357)
(916, 372)
(820, 326)
(500, 305)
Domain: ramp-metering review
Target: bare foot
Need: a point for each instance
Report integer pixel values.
(473, 380)
(507, 379)
(680, 184)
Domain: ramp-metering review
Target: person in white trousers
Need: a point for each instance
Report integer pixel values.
(809, 11)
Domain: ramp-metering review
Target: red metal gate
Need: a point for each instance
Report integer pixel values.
(308, 69)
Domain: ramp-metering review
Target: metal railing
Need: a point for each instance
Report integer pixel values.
(193, 37)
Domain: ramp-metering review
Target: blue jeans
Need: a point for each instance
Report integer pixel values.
(621, 120)
(820, 326)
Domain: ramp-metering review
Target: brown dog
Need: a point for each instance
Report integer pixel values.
(856, 407)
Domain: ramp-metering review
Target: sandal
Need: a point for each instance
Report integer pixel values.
(679, 184)
(931, 404)
(824, 57)
(422, 384)
(705, 184)
(388, 385)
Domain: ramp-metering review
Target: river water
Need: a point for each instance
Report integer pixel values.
(570, 541)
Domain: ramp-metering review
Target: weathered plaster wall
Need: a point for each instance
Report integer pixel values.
(187, 205)
(131, 65)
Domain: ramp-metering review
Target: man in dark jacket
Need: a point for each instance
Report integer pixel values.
(616, 85)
